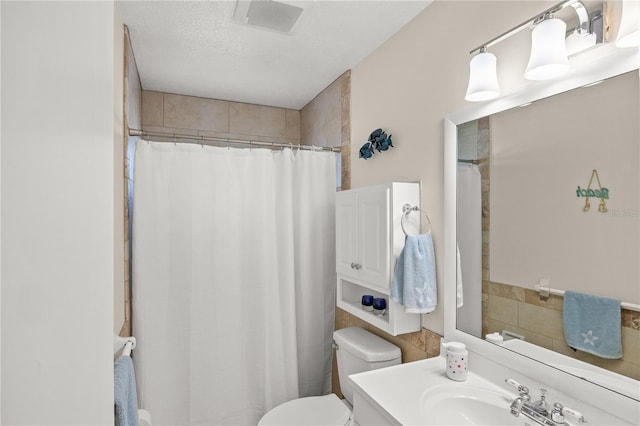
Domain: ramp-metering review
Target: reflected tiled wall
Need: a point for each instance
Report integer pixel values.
(190, 115)
(521, 311)
(132, 119)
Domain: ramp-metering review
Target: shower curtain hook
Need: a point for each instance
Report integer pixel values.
(174, 140)
(202, 141)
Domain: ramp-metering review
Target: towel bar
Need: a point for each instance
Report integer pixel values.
(408, 208)
(545, 291)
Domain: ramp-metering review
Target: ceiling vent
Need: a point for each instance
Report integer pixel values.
(269, 14)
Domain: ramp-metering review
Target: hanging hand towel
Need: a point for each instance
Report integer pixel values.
(592, 324)
(125, 397)
(414, 280)
(459, 291)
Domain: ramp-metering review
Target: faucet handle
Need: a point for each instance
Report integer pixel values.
(574, 413)
(522, 390)
(556, 413)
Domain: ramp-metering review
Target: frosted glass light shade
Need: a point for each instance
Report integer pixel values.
(548, 57)
(629, 31)
(483, 79)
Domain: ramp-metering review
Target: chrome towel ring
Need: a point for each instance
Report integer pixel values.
(406, 210)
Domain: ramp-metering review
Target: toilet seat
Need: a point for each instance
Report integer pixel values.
(326, 410)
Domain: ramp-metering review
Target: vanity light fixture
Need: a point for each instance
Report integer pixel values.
(549, 48)
(483, 78)
(629, 31)
(548, 57)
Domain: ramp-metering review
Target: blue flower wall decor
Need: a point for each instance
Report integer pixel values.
(378, 140)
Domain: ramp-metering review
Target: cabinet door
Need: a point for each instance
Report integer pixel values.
(346, 233)
(373, 237)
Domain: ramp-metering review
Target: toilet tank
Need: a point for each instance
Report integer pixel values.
(359, 350)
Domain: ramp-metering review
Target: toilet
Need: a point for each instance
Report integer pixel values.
(357, 351)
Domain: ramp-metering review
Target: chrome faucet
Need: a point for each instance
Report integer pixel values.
(519, 402)
(538, 411)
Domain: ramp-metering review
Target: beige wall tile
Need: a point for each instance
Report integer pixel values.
(171, 130)
(507, 291)
(631, 345)
(433, 343)
(631, 319)
(503, 309)
(292, 119)
(321, 120)
(190, 112)
(254, 138)
(257, 120)
(532, 297)
(547, 322)
(152, 108)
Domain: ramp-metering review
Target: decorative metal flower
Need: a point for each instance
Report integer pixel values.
(378, 140)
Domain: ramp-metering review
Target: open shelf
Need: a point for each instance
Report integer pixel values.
(394, 321)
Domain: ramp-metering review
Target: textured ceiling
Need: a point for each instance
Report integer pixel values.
(195, 48)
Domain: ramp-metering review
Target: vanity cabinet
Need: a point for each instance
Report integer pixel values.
(369, 239)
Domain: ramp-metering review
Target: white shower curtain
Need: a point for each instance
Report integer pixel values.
(233, 280)
(469, 234)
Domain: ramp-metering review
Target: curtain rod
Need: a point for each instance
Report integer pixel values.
(201, 139)
(468, 161)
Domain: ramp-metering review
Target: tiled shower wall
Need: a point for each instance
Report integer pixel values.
(190, 115)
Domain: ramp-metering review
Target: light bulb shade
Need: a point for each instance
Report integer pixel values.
(548, 57)
(629, 31)
(483, 79)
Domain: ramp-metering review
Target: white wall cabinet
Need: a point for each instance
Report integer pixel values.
(368, 241)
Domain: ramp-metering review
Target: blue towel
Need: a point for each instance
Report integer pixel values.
(125, 397)
(414, 280)
(592, 324)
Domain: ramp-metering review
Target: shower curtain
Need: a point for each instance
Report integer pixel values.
(233, 280)
(469, 234)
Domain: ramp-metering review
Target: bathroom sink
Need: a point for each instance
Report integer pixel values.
(464, 404)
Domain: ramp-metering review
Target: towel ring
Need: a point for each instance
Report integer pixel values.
(406, 209)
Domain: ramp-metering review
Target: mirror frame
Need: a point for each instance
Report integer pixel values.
(601, 63)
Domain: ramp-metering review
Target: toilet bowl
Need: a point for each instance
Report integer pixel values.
(312, 410)
(357, 350)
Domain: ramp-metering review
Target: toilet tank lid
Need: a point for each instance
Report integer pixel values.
(365, 345)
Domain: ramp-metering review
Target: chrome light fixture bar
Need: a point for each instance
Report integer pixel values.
(583, 16)
(549, 50)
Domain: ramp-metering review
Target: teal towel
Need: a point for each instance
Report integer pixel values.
(414, 280)
(592, 324)
(125, 397)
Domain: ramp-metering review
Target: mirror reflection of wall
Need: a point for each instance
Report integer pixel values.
(531, 161)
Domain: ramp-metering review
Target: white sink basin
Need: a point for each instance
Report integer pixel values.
(463, 404)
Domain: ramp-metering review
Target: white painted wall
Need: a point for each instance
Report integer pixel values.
(409, 84)
(57, 212)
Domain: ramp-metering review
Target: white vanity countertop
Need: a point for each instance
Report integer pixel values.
(398, 390)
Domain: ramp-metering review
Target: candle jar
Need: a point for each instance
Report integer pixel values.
(379, 306)
(367, 302)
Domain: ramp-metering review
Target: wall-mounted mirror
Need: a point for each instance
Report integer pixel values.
(515, 171)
